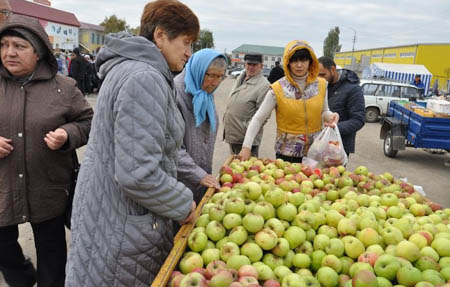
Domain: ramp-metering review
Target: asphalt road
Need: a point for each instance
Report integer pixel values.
(430, 171)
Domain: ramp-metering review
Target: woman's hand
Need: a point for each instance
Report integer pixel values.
(55, 140)
(5, 147)
(245, 153)
(191, 214)
(210, 181)
(331, 120)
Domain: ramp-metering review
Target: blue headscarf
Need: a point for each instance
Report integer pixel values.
(203, 102)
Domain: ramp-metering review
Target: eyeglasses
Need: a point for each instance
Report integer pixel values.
(214, 76)
(6, 13)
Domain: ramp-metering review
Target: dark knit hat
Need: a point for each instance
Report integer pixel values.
(35, 41)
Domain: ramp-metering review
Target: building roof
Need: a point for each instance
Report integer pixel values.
(88, 26)
(42, 12)
(265, 50)
(399, 46)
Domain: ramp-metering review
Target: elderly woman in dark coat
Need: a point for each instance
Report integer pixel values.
(195, 96)
(43, 119)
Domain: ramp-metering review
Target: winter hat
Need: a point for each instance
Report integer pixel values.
(35, 41)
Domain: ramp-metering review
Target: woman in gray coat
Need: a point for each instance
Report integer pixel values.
(128, 194)
(195, 96)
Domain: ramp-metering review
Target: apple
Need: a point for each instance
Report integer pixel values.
(266, 239)
(236, 284)
(275, 225)
(367, 257)
(231, 220)
(254, 190)
(445, 273)
(282, 247)
(296, 198)
(223, 278)
(365, 278)
(252, 251)
(433, 277)
(426, 262)
(190, 261)
(301, 260)
(287, 211)
(216, 213)
(265, 209)
(292, 280)
(248, 270)
(234, 205)
(229, 249)
(215, 266)
(333, 262)
(271, 283)
(276, 197)
(327, 277)
(387, 266)
(346, 263)
(442, 246)
(237, 261)
(295, 236)
(353, 246)
(408, 276)
(193, 279)
(272, 260)
(346, 227)
(248, 281)
(215, 230)
(358, 266)
(391, 235)
(281, 272)
(316, 259)
(383, 282)
(408, 250)
(264, 271)
(369, 236)
(197, 241)
(210, 255)
(202, 220)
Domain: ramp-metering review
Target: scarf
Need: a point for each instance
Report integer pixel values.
(203, 102)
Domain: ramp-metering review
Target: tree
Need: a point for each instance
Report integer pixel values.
(113, 24)
(331, 43)
(205, 40)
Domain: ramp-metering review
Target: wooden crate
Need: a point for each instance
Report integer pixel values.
(180, 242)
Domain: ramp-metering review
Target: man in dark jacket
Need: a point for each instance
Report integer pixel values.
(276, 73)
(78, 69)
(345, 97)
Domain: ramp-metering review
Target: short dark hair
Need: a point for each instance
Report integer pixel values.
(277, 63)
(417, 76)
(301, 55)
(172, 16)
(327, 62)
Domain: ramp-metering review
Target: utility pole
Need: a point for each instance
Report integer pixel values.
(353, 48)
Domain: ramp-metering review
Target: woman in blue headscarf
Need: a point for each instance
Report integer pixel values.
(195, 86)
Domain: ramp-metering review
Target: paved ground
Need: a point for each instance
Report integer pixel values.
(419, 167)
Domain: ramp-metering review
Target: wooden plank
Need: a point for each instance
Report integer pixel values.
(180, 241)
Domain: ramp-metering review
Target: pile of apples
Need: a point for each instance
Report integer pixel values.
(298, 226)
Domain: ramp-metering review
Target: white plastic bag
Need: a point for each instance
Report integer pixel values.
(327, 149)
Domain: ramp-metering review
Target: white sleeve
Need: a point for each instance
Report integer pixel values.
(260, 118)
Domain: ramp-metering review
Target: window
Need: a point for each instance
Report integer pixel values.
(279, 59)
(98, 39)
(92, 38)
(390, 55)
(273, 58)
(376, 56)
(236, 56)
(369, 89)
(103, 39)
(408, 92)
(407, 55)
(266, 58)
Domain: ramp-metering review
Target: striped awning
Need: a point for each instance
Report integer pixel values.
(402, 73)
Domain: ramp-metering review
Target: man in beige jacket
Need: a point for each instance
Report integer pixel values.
(244, 100)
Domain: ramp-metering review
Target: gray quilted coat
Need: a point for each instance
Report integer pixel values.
(128, 193)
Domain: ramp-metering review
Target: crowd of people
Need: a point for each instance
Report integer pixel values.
(148, 160)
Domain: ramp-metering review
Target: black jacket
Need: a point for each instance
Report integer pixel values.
(275, 74)
(346, 98)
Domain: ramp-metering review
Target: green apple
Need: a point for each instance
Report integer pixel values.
(353, 246)
(426, 262)
(335, 247)
(190, 261)
(333, 262)
(347, 262)
(215, 230)
(365, 278)
(408, 276)
(272, 261)
(282, 247)
(358, 266)
(445, 273)
(197, 241)
(327, 277)
(316, 259)
(265, 209)
(287, 211)
(292, 280)
(232, 220)
(275, 225)
(408, 250)
(433, 277)
(216, 213)
(238, 235)
(266, 239)
(295, 236)
(346, 227)
(387, 266)
(301, 260)
(391, 235)
(236, 261)
(202, 220)
(321, 241)
(281, 272)
(252, 251)
(442, 246)
(253, 222)
(369, 236)
(383, 282)
(210, 255)
(229, 249)
(254, 190)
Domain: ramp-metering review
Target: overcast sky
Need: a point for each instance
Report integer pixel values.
(276, 22)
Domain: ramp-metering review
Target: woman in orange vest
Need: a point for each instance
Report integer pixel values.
(300, 100)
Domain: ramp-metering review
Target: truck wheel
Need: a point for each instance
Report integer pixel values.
(388, 149)
(372, 115)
